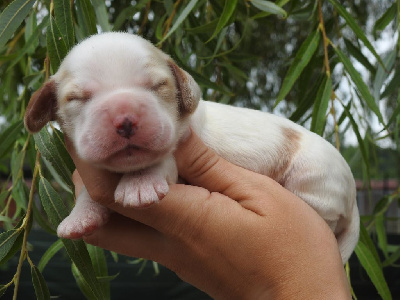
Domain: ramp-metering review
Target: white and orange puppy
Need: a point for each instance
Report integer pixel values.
(125, 105)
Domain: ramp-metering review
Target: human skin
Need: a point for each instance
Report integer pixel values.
(230, 232)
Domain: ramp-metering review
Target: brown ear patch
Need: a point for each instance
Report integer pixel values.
(42, 107)
(188, 92)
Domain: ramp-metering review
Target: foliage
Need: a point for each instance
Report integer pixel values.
(315, 61)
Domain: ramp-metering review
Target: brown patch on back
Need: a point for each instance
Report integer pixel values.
(290, 146)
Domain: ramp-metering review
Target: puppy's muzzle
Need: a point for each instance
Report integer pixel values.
(126, 126)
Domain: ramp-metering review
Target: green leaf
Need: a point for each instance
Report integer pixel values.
(393, 85)
(12, 17)
(50, 252)
(47, 145)
(182, 17)
(269, 7)
(56, 45)
(101, 14)
(7, 241)
(56, 211)
(386, 18)
(63, 16)
(320, 106)
(382, 74)
(9, 136)
(229, 8)
(357, 54)
(28, 45)
(86, 17)
(205, 28)
(356, 29)
(100, 267)
(361, 144)
(381, 233)
(127, 13)
(360, 84)
(82, 284)
(373, 270)
(302, 58)
(41, 289)
(392, 258)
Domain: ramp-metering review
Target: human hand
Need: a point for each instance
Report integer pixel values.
(233, 233)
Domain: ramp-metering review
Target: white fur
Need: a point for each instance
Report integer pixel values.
(119, 74)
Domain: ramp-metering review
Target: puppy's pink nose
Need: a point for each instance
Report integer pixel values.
(125, 126)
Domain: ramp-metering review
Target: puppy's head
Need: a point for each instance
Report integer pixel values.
(122, 102)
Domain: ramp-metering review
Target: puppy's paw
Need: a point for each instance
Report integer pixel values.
(83, 222)
(141, 190)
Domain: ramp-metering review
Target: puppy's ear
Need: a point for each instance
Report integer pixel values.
(189, 92)
(42, 107)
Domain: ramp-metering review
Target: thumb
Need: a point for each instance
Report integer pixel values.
(201, 166)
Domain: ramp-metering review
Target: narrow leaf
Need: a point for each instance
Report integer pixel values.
(361, 144)
(386, 18)
(9, 136)
(301, 59)
(86, 17)
(229, 8)
(381, 74)
(360, 84)
(82, 284)
(357, 54)
(269, 7)
(101, 14)
(56, 211)
(321, 106)
(373, 270)
(46, 144)
(56, 46)
(7, 241)
(28, 45)
(63, 16)
(40, 285)
(357, 30)
(100, 267)
(49, 254)
(182, 17)
(12, 17)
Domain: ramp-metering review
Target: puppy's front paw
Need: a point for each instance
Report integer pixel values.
(141, 190)
(85, 217)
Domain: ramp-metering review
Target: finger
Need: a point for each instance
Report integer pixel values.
(99, 182)
(201, 166)
(128, 237)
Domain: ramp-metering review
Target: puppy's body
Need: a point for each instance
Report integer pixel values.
(125, 105)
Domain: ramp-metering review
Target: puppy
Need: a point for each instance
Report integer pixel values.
(125, 104)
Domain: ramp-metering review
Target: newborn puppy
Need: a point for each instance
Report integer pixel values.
(124, 104)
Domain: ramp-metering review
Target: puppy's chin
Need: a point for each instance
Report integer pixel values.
(130, 159)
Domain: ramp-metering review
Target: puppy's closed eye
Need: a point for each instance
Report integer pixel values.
(79, 96)
(159, 85)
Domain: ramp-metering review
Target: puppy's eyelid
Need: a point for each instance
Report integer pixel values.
(85, 96)
(159, 85)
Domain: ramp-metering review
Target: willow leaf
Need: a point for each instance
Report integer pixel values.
(301, 60)
(269, 7)
(50, 252)
(76, 249)
(12, 17)
(229, 8)
(373, 270)
(56, 45)
(321, 106)
(40, 285)
(63, 16)
(182, 17)
(86, 17)
(356, 29)
(360, 84)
